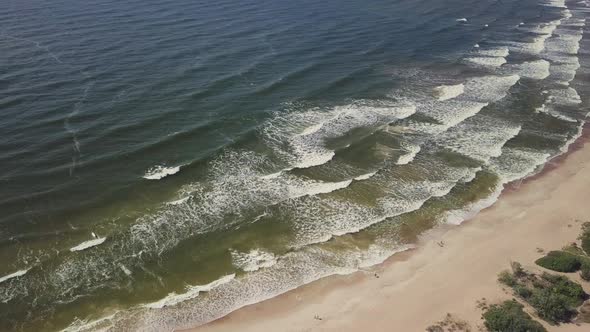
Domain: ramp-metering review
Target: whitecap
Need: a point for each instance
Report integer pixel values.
(14, 275)
(365, 176)
(88, 244)
(159, 172)
(412, 151)
(179, 201)
(445, 92)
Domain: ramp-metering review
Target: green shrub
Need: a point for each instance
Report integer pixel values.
(523, 291)
(586, 244)
(573, 292)
(509, 316)
(517, 270)
(585, 237)
(552, 307)
(585, 271)
(560, 261)
(556, 297)
(507, 278)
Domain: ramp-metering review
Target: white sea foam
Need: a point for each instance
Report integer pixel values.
(517, 163)
(191, 292)
(448, 113)
(544, 31)
(365, 176)
(494, 52)
(98, 325)
(555, 3)
(554, 113)
(482, 139)
(478, 93)
(564, 68)
(490, 88)
(566, 42)
(316, 188)
(488, 57)
(160, 172)
(312, 129)
(125, 269)
(538, 69)
(179, 201)
(299, 136)
(412, 151)
(564, 97)
(445, 92)
(253, 260)
(574, 137)
(273, 175)
(463, 19)
(88, 244)
(545, 28)
(14, 275)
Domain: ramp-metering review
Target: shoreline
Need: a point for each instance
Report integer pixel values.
(431, 280)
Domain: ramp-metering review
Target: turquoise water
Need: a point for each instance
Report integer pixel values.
(164, 163)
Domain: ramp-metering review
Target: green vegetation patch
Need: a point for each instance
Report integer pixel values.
(585, 237)
(510, 316)
(560, 261)
(554, 297)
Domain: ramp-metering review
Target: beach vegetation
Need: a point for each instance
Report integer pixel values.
(585, 271)
(573, 248)
(554, 297)
(450, 323)
(585, 237)
(510, 316)
(560, 261)
(551, 307)
(507, 278)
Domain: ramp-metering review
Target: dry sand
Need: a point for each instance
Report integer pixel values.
(418, 288)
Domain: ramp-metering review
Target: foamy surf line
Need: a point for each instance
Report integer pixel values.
(191, 292)
(14, 275)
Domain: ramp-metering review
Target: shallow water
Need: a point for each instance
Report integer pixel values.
(164, 163)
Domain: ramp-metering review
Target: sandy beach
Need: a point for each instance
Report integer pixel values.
(417, 288)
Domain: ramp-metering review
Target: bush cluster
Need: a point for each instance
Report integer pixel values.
(585, 237)
(509, 316)
(554, 297)
(560, 261)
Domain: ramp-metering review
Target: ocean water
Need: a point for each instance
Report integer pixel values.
(163, 163)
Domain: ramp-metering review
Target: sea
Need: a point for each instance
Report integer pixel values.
(163, 163)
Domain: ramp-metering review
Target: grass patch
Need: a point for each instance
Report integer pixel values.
(510, 316)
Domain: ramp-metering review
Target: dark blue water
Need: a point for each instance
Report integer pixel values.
(165, 158)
